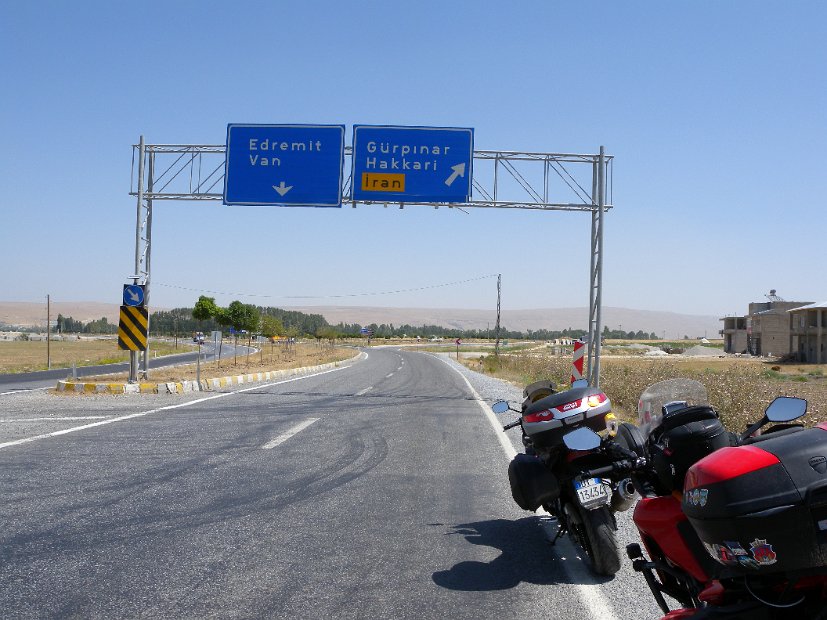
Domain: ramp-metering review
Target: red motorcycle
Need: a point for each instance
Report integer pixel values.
(735, 526)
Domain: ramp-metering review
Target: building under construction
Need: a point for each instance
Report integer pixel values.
(768, 329)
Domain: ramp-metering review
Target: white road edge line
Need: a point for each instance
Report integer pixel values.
(285, 436)
(597, 604)
(66, 419)
(122, 418)
(25, 390)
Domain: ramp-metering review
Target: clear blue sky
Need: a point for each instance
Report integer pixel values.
(714, 111)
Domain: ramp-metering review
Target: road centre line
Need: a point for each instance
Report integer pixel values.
(595, 602)
(285, 436)
(130, 416)
(363, 392)
(388, 376)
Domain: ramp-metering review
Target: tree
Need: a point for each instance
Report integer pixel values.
(244, 318)
(271, 326)
(205, 309)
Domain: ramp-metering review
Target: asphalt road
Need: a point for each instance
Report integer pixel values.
(375, 490)
(46, 379)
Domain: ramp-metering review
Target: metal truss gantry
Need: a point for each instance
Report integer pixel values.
(501, 180)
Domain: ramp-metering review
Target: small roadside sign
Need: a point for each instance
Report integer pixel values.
(134, 295)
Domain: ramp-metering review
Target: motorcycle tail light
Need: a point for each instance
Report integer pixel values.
(595, 400)
(539, 416)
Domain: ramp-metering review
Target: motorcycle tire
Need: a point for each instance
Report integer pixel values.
(597, 537)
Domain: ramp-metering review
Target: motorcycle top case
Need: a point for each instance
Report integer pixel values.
(548, 419)
(762, 507)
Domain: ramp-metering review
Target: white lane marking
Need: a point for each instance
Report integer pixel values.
(67, 419)
(74, 429)
(285, 436)
(592, 598)
(25, 390)
(363, 392)
(388, 376)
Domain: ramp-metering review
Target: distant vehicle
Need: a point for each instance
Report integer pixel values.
(198, 337)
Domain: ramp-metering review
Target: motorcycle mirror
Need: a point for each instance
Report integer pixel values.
(500, 406)
(580, 383)
(786, 409)
(582, 439)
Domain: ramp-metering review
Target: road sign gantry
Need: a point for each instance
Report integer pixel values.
(192, 172)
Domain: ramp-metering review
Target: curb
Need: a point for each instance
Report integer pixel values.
(183, 387)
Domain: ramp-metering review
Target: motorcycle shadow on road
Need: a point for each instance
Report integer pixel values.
(526, 556)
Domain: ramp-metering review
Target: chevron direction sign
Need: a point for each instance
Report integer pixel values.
(132, 328)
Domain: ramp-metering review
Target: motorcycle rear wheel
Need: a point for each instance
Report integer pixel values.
(596, 534)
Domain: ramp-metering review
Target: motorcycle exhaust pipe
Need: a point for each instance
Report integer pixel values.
(624, 496)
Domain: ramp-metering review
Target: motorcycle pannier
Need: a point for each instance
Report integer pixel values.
(762, 507)
(532, 483)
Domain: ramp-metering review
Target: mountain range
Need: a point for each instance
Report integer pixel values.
(664, 324)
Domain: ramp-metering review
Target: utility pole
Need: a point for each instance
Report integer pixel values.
(134, 356)
(497, 325)
(48, 333)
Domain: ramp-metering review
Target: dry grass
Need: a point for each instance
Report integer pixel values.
(739, 389)
(31, 356)
(267, 359)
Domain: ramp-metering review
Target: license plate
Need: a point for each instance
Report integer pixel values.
(591, 492)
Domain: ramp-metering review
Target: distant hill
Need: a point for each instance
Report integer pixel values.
(674, 325)
(27, 314)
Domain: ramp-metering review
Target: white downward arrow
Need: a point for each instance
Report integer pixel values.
(135, 297)
(282, 189)
(458, 171)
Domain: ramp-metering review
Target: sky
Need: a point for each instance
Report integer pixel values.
(714, 113)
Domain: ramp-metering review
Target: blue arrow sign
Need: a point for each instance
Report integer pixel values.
(412, 164)
(284, 165)
(133, 295)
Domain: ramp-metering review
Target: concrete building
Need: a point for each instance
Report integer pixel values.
(808, 332)
(765, 330)
(735, 334)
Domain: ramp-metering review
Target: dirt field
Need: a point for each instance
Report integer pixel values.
(739, 388)
(21, 356)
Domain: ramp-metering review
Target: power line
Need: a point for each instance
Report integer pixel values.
(406, 290)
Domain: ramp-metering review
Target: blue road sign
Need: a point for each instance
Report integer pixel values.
(133, 295)
(412, 164)
(284, 165)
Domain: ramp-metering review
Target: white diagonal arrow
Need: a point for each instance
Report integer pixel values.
(458, 171)
(135, 297)
(282, 189)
